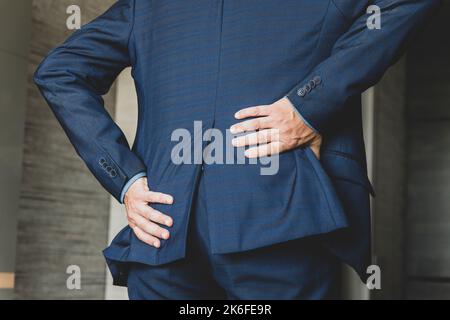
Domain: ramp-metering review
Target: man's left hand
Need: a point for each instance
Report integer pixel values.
(275, 128)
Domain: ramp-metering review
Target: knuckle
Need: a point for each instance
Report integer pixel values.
(263, 135)
(140, 236)
(131, 216)
(267, 122)
(159, 216)
(136, 232)
(145, 215)
(141, 212)
(133, 206)
(151, 229)
(147, 224)
(147, 196)
(158, 230)
(152, 197)
(154, 216)
(151, 215)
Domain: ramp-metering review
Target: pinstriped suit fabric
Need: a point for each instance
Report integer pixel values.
(203, 60)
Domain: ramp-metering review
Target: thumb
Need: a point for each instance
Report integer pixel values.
(315, 145)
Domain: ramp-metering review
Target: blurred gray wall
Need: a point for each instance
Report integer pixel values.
(427, 220)
(412, 169)
(15, 22)
(64, 212)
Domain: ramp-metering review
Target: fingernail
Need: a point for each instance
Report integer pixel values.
(236, 115)
(169, 223)
(233, 130)
(234, 142)
(156, 244)
(165, 235)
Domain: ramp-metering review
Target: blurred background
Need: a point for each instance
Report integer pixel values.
(54, 214)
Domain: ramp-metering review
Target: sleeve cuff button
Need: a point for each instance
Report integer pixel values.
(301, 92)
(317, 80)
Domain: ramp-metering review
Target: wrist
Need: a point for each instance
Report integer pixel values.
(128, 185)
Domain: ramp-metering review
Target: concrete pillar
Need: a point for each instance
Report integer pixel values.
(384, 135)
(353, 288)
(389, 175)
(126, 118)
(64, 212)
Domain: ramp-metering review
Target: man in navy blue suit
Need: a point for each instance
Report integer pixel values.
(284, 78)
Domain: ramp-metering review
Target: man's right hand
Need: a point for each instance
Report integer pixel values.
(142, 218)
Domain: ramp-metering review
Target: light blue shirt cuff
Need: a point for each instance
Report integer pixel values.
(130, 183)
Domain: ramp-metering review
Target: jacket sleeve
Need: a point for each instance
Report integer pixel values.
(358, 60)
(73, 78)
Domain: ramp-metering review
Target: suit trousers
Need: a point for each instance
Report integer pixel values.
(297, 269)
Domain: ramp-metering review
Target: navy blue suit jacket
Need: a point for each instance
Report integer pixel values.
(203, 60)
